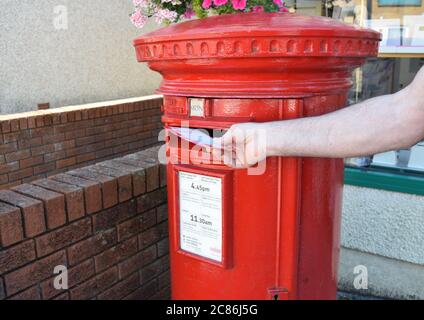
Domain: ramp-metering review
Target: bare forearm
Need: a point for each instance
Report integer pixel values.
(380, 124)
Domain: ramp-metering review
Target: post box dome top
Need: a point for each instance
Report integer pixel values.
(256, 55)
(248, 25)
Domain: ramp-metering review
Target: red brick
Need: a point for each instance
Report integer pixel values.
(154, 269)
(152, 235)
(91, 246)
(44, 168)
(96, 130)
(162, 294)
(152, 170)
(162, 176)
(63, 237)
(32, 210)
(107, 278)
(18, 155)
(74, 196)
(66, 162)
(55, 119)
(65, 145)
(39, 121)
(11, 230)
(162, 213)
(164, 280)
(109, 218)
(121, 289)
(20, 174)
(137, 262)
(129, 228)
(32, 178)
(78, 116)
(121, 149)
(138, 174)
(149, 219)
(31, 142)
(87, 140)
(41, 132)
(85, 291)
(54, 203)
(57, 155)
(63, 118)
(86, 157)
(105, 153)
(144, 292)
(2, 292)
(48, 148)
(8, 167)
(4, 178)
(94, 286)
(63, 296)
(76, 275)
(48, 120)
(23, 123)
(31, 162)
(74, 134)
(31, 122)
(163, 247)
(124, 180)
(92, 191)
(8, 148)
(16, 256)
(33, 273)
(53, 138)
(109, 185)
(115, 254)
(29, 294)
(5, 126)
(151, 200)
(9, 185)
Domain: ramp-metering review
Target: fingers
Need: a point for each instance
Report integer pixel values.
(237, 147)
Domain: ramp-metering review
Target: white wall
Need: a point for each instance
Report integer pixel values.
(383, 231)
(93, 60)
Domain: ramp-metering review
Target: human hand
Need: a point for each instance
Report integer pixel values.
(243, 146)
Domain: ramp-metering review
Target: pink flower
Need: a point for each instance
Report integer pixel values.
(219, 2)
(239, 4)
(138, 19)
(138, 2)
(165, 15)
(206, 4)
(258, 9)
(189, 13)
(284, 9)
(279, 3)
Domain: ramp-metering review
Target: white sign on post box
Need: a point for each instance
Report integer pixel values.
(197, 107)
(200, 202)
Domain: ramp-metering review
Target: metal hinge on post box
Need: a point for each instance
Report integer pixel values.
(278, 294)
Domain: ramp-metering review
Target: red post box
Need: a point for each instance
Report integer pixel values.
(235, 235)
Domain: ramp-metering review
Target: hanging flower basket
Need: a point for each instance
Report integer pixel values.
(171, 11)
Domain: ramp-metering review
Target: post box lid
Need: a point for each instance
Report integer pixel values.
(256, 25)
(256, 55)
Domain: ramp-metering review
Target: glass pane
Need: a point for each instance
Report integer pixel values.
(401, 23)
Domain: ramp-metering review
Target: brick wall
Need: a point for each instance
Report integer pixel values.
(107, 223)
(41, 143)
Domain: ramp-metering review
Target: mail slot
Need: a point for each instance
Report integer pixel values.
(234, 235)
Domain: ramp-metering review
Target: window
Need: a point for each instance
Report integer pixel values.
(401, 23)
